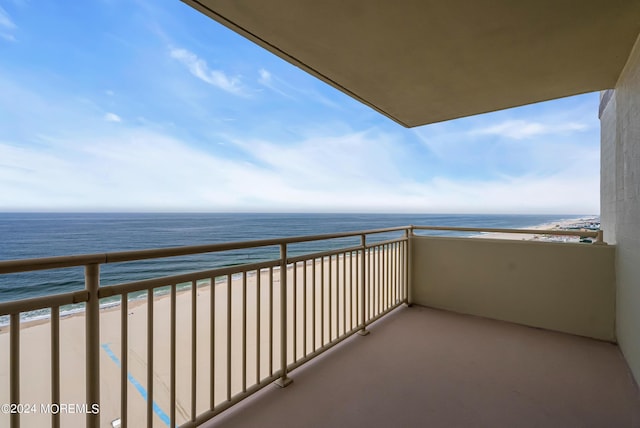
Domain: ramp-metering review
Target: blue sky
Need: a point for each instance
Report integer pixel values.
(134, 105)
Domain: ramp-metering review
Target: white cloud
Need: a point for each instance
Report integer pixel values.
(5, 20)
(112, 117)
(8, 26)
(8, 37)
(199, 68)
(521, 129)
(138, 169)
(267, 80)
(265, 77)
(349, 160)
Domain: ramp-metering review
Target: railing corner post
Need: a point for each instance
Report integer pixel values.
(600, 238)
(92, 338)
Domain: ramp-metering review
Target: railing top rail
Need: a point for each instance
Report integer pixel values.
(12, 266)
(588, 233)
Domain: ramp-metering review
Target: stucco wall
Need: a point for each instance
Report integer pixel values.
(608, 161)
(556, 286)
(621, 123)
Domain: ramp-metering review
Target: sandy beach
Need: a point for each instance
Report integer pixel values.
(557, 225)
(331, 321)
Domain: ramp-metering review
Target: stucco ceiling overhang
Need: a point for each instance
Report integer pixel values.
(426, 61)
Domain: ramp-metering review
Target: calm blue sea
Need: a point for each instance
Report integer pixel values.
(45, 234)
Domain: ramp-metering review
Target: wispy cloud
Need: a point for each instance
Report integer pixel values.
(112, 117)
(199, 68)
(521, 129)
(298, 93)
(345, 160)
(5, 20)
(7, 27)
(357, 171)
(265, 77)
(267, 80)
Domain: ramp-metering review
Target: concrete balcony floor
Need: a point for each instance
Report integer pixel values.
(432, 368)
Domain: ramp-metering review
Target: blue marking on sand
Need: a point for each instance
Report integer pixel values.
(156, 409)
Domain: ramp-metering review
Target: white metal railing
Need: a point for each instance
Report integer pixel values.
(315, 301)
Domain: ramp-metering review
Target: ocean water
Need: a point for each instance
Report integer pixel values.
(32, 235)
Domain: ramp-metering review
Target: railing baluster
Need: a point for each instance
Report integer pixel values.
(150, 358)
(387, 278)
(258, 304)
(271, 321)
(384, 280)
(337, 295)
(284, 379)
(330, 285)
(396, 272)
(212, 342)
(14, 358)
(381, 283)
(344, 293)
(363, 284)
(354, 289)
(403, 271)
(370, 279)
(244, 331)
(370, 284)
(379, 288)
(55, 364)
(295, 311)
(359, 289)
(194, 346)
(304, 310)
(322, 301)
(400, 269)
(229, 283)
(92, 335)
(408, 267)
(313, 306)
(390, 264)
(172, 380)
(380, 279)
(124, 358)
(351, 301)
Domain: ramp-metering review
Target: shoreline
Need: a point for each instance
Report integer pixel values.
(141, 299)
(563, 224)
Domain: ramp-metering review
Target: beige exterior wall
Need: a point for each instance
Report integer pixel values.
(608, 160)
(620, 211)
(556, 286)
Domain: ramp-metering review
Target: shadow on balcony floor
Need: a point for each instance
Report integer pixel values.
(426, 367)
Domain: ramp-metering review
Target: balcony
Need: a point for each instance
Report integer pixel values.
(427, 362)
(428, 367)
